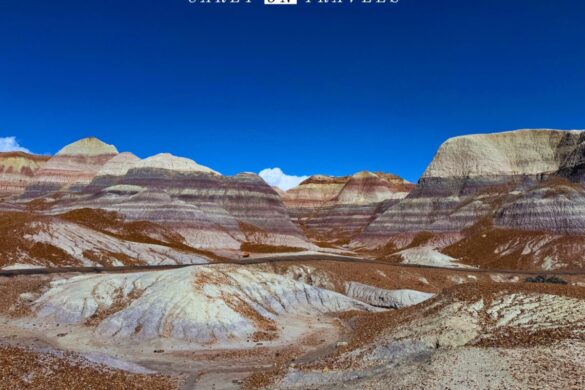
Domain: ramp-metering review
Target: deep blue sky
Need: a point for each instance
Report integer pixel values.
(311, 89)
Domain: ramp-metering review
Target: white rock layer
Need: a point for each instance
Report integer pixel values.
(173, 163)
(395, 299)
(202, 304)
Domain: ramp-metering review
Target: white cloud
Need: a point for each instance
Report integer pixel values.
(277, 178)
(9, 144)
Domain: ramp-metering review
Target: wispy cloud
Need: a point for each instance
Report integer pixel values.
(9, 144)
(277, 178)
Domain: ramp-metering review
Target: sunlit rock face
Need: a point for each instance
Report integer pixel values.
(526, 183)
(470, 175)
(507, 154)
(17, 170)
(336, 208)
(72, 168)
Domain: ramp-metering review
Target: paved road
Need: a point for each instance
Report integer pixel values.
(304, 258)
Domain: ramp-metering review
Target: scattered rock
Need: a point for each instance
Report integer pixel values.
(545, 279)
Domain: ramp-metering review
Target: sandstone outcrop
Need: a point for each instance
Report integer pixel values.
(16, 171)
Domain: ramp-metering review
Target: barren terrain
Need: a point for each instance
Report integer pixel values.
(480, 329)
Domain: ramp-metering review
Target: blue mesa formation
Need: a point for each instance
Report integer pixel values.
(160, 272)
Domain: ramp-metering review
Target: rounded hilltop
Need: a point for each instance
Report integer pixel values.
(518, 152)
(90, 146)
(173, 163)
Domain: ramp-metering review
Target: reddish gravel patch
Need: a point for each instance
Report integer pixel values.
(11, 289)
(23, 368)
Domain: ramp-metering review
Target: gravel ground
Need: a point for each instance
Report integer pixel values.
(24, 368)
(481, 336)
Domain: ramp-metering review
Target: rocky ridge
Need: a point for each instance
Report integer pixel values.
(523, 182)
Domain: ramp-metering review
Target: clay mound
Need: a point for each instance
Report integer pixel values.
(427, 256)
(314, 192)
(16, 171)
(208, 304)
(90, 146)
(118, 165)
(192, 200)
(196, 202)
(324, 179)
(173, 163)
(367, 187)
(394, 299)
(361, 188)
(498, 315)
(334, 209)
(205, 208)
(71, 169)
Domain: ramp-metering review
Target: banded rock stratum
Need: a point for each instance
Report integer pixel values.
(90, 205)
(503, 200)
(333, 209)
(511, 199)
(17, 170)
(266, 294)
